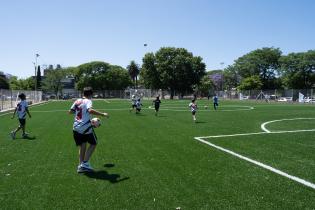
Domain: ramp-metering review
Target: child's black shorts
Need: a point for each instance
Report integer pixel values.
(83, 138)
(22, 121)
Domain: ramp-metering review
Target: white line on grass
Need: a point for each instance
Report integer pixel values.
(294, 178)
(106, 101)
(184, 109)
(10, 112)
(257, 133)
(263, 126)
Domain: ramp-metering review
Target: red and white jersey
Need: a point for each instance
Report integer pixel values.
(21, 109)
(193, 107)
(82, 123)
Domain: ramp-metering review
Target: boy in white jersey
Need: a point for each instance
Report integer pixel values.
(21, 110)
(83, 130)
(133, 103)
(193, 108)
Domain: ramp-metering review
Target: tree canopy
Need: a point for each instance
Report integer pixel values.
(172, 68)
(101, 76)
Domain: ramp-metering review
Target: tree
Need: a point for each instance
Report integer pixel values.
(117, 78)
(172, 68)
(38, 78)
(263, 63)
(53, 82)
(22, 84)
(251, 83)
(298, 69)
(216, 77)
(4, 84)
(133, 70)
(206, 86)
(101, 76)
(149, 74)
(14, 83)
(231, 77)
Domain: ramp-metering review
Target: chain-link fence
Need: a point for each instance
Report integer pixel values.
(8, 98)
(270, 95)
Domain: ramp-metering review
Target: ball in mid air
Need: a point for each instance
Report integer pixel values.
(96, 122)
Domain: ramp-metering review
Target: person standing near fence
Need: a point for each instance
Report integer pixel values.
(21, 110)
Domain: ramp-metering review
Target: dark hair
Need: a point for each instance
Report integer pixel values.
(193, 100)
(22, 96)
(87, 91)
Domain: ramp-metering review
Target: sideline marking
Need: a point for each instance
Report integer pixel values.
(262, 165)
(263, 126)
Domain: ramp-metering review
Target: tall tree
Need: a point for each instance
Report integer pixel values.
(53, 81)
(38, 78)
(92, 74)
(150, 76)
(251, 83)
(231, 77)
(298, 69)
(134, 70)
(206, 86)
(263, 63)
(173, 68)
(4, 84)
(101, 76)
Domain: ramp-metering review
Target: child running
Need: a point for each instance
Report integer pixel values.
(21, 110)
(215, 102)
(157, 103)
(193, 108)
(138, 106)
(83, 131)
(133, 103)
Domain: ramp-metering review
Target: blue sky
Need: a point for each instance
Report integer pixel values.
(72, 32)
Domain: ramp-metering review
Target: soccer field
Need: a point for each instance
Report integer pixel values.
(245, 155)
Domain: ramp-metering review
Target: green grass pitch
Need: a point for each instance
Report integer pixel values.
(148, 162)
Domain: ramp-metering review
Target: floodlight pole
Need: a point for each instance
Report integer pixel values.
(222, 80)
(36, 56)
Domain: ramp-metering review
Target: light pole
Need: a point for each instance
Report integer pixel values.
(222, 79)
(36, 56)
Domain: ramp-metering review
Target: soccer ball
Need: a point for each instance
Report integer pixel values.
(96, 122)
(206, 107)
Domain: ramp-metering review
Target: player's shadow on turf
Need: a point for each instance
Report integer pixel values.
(109, 165)
(104, 175)
(199, 122)
(28, 138)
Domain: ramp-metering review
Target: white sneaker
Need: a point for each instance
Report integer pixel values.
(86, 166)
(12, 134)
(80, 169)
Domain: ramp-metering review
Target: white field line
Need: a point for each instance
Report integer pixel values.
(294, 178)
(257, 133)
(107, 101)
(175, 109)
(10, 112)
(263, 126)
